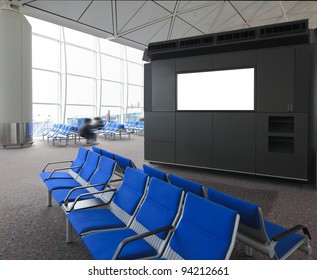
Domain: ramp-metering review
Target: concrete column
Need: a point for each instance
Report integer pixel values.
(15, 78)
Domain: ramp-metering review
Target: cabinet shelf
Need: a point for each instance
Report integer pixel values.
(281, 134)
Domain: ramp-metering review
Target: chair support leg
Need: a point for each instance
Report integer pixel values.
(248, 251)
(49, 198)
(69, 232)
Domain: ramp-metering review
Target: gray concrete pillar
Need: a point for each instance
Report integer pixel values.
(15, 78)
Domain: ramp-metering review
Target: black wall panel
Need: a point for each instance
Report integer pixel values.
(234, 141)
(275, 80)
(147, 87)
(159, 151)
(302, 78)
(163, 85)
(199, 63)
(194, 138)
(234, 60)
(159, 126)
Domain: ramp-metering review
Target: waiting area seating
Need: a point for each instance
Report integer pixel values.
(153, 215)
(268, 238)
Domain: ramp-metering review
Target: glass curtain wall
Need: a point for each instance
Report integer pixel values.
(76, 75)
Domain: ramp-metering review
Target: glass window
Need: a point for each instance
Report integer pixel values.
(45, 86)
(114, 112)
(111, 48)
(79, 112)
(80, 90)
(135, 96)
(45, 53)
(47, 113)
(80, 38)
(134, 114)
(80, 61)
(44, 28)
(111, 93)
(134, 55)
(135, 74)
(112, 68)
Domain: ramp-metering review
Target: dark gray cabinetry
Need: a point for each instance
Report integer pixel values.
(147, 87)
(163, 85)
(159, 129)
(275, 80)
(234, 141)
(194, 138)
(234, 60)
(188, 64)
(282, 145)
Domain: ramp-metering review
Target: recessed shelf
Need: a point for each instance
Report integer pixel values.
(279, 144)
(281, 124)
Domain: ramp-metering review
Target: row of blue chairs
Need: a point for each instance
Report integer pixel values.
(113, 129)
(269, 238)
(134, 126)
(60, 132)
(149, 218)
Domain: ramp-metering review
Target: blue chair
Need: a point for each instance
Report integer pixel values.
(97, 183)
(108, 154)
(121, 209)
(158, 213)
(73, 170)
(96, 149)
(206, 231)
(187, 185)
(122, 164)
(268, 238)
(62, 135)
(153, 172)
(81, 179)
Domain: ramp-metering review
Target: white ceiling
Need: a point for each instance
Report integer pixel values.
(137, 23)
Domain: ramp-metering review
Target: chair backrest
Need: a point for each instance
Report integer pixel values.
(130, 192)
(206, 231)
(187, 185)
(108, 154)
(249, 212)
(251, 218)
(89, 167)
(123, 163)
(96, 149)
(80, 159)
(160, 208)
(156, 173)
(104, 172)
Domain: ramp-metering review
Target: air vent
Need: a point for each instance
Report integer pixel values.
(230, 37)
(164, 46)
(196, 42)
(284, 29)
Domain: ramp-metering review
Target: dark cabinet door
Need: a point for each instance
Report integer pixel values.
(282, 145)
(194, 138)
(234, 141)
(163, 85)
(275, 80)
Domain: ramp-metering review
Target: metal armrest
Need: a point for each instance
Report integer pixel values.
(139, 236)
(78, 198)
(290, 231)
(59, 169)
(55, 162)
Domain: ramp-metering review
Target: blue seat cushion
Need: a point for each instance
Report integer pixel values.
(285, 244)
(93, 219)
(56, 175)
(102, 245)
(55, 184)
(60, 195)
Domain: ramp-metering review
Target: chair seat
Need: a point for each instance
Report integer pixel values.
(286, 244)
(60, 195)
(102, 245)
(56, 175)
(61, 184)
(93, 219)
